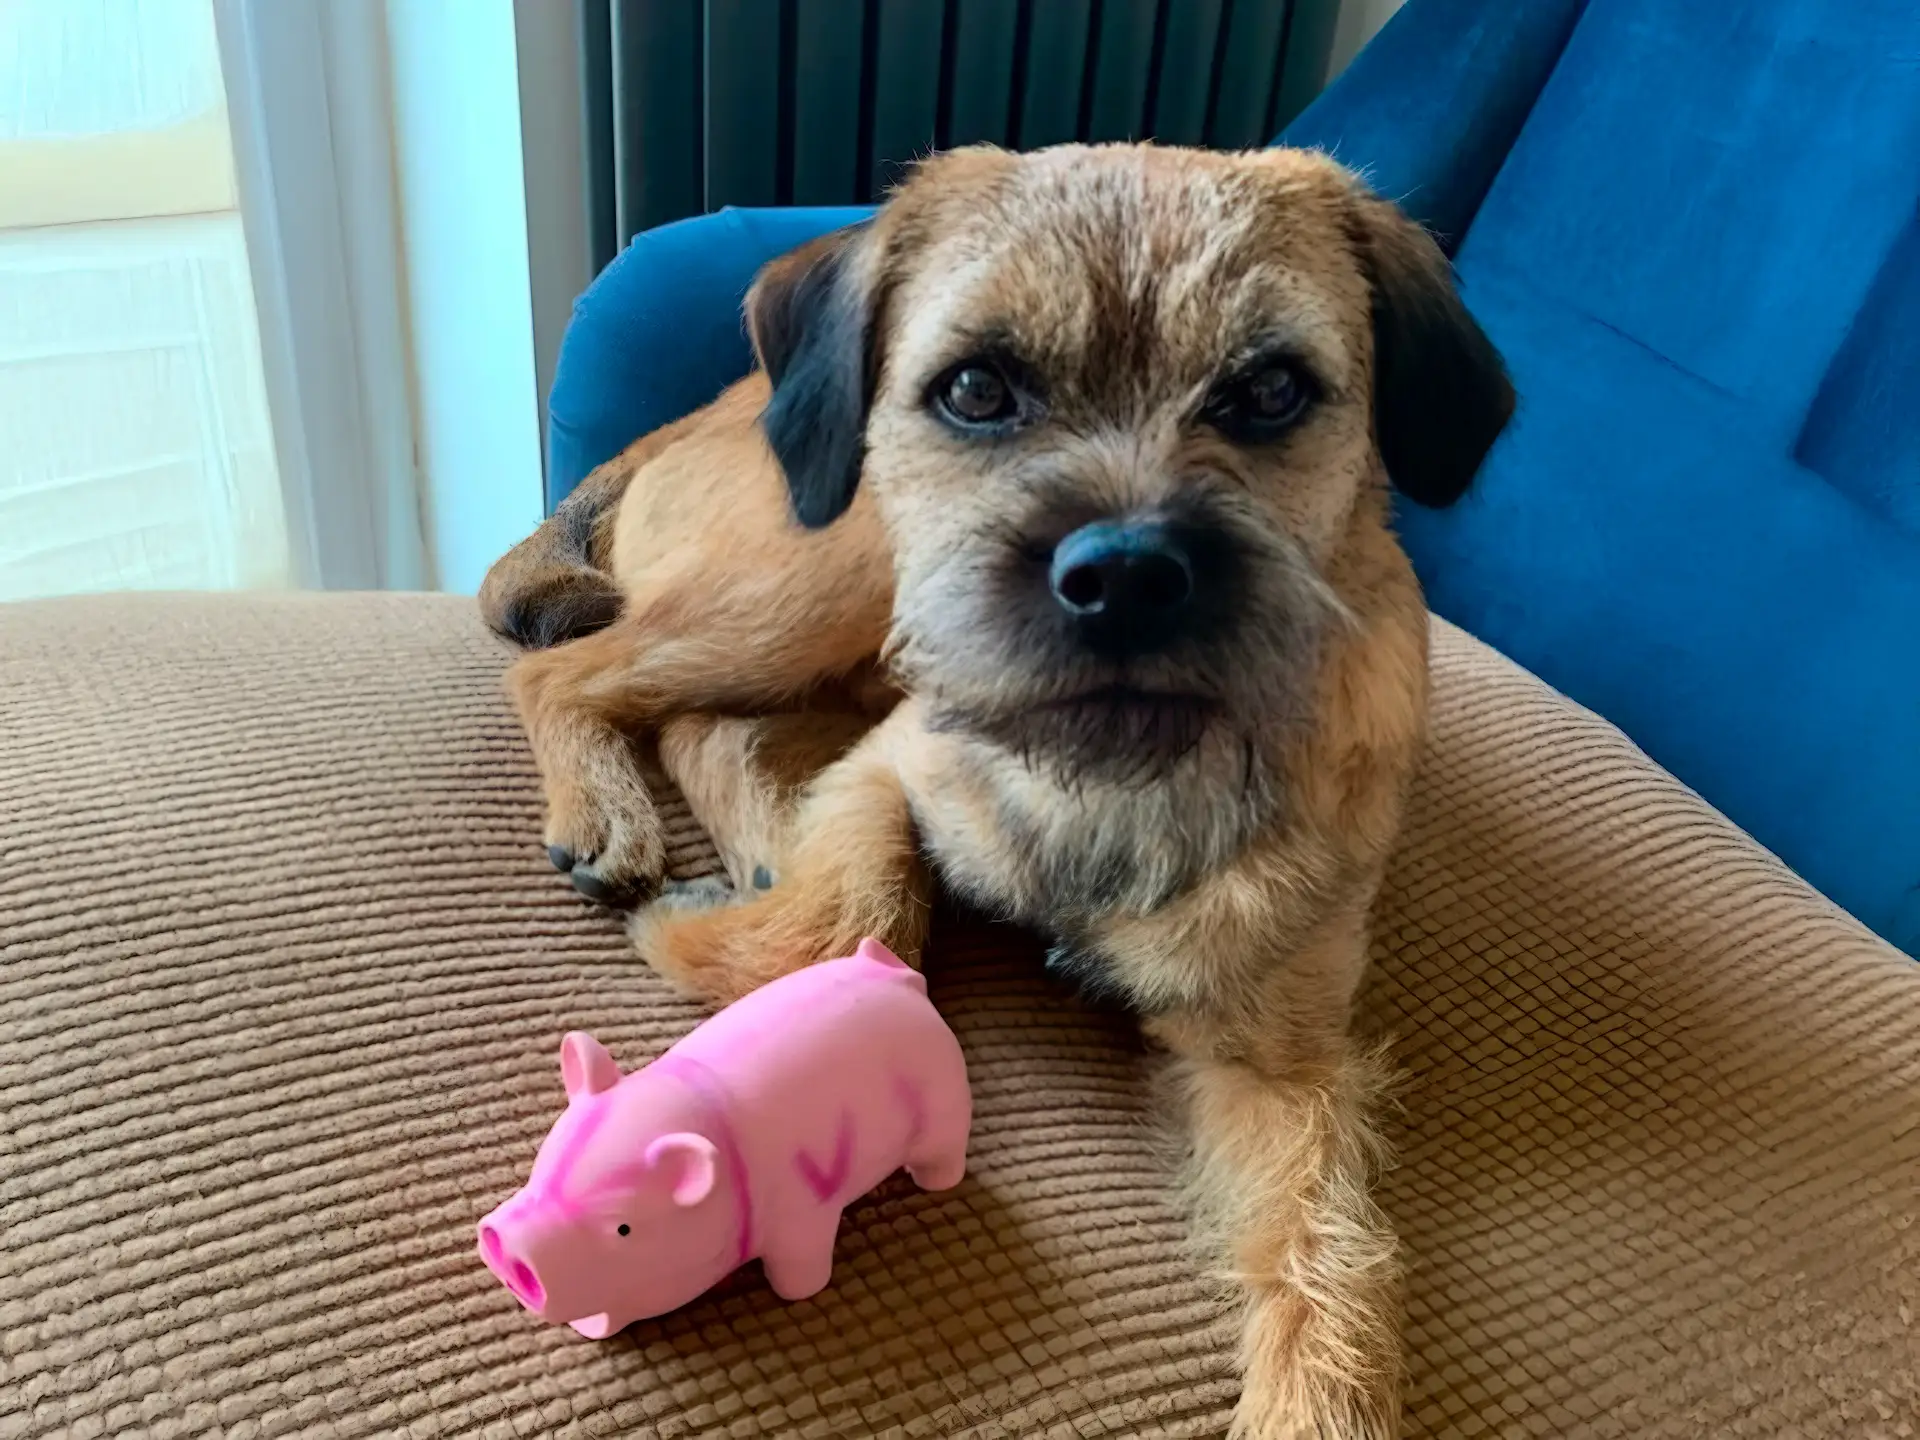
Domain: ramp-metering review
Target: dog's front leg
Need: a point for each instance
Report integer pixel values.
(1282, 1172)
(692, 642)
(852, 869)
(601, 825)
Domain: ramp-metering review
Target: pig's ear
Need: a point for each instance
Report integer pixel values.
(585, 1066)
(872, 949)
(687, 1164)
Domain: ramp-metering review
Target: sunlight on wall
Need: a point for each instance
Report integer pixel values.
(469, 297)
(135, 446)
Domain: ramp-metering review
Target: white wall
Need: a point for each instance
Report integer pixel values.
(469, 305)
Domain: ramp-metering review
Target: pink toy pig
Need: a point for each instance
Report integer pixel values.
(745, 1139)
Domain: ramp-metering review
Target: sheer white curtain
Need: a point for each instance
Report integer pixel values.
(136, 450)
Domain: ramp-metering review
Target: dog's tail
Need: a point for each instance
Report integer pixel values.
(554, 585)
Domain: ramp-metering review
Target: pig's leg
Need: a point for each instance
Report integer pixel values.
(743, 777)
(853, 869)
(799, 1259)
(940, 1171)
(937, 1151)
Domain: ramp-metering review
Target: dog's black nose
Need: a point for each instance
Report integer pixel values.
(1125, 581)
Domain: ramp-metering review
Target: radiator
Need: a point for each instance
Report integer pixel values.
(692, 105)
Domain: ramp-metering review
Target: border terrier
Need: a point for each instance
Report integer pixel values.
(1046, 556)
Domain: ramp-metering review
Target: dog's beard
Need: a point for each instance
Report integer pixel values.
(1115, 785)
(1114, 733)
(1060, 713)
(1102, 822)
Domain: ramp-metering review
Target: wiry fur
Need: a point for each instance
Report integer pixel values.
(1200, 828)
(1280, 1181)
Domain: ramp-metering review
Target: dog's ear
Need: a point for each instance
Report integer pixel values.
(810, 316)
(1440, 390)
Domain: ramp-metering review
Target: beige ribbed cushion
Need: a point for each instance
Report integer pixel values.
(283, 969)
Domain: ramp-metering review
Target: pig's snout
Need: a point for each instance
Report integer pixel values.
(515, 1270)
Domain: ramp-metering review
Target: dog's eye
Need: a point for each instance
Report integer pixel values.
(1276, 394)
(1262, 405)
(976, 394)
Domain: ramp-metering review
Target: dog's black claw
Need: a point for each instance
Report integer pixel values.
(762, 878)
(561, 857)
(596, 889)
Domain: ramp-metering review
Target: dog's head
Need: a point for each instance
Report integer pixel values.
(1119, 408)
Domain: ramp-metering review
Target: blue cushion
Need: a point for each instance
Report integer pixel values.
(1638, 545)
(1428, 110)
(1730, 217)
(1701, 262)
(1864, 431)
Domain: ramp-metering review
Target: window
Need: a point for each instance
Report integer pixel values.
(136, 449)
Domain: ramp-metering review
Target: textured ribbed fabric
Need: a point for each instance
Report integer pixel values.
(283, 972)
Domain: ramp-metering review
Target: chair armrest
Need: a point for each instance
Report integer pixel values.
(1429, 109)
(658, 334)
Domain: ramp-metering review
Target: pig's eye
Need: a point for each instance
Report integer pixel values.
(626, 1230)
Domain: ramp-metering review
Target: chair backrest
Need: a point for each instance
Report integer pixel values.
(693, 105)
(1702, 259)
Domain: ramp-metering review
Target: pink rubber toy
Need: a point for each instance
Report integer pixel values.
(744, 1140)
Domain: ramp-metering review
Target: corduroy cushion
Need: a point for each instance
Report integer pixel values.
(284, 972)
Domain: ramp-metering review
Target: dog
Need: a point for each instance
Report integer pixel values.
(1046, 557)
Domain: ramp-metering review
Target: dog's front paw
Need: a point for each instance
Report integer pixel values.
(604, 834)
(1255, 1421)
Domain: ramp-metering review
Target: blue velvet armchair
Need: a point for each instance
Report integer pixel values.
(1695, 232)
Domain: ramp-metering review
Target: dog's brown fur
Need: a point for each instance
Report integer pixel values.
(1214, 874)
